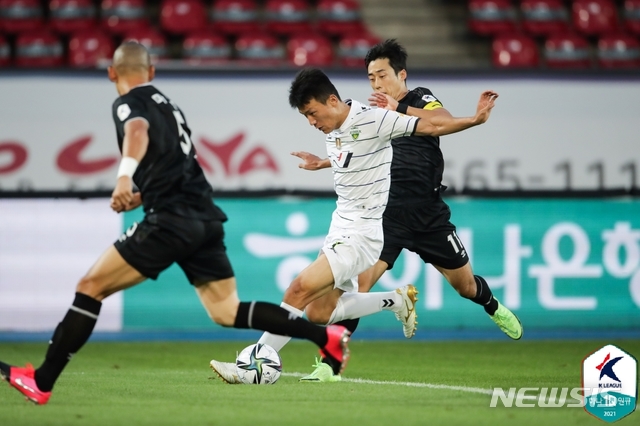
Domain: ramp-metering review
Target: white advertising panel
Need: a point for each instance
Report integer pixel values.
(57, 132)
(46, 246)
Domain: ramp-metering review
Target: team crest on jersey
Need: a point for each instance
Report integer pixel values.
(355, 132)
(123, 111)
(429, 98)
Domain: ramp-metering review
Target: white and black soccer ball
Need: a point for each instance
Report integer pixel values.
(258, 364)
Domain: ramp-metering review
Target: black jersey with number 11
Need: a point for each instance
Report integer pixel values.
(169, 176)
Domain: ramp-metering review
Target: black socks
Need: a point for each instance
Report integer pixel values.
(484, 297)
(70, 335)
(276, 320)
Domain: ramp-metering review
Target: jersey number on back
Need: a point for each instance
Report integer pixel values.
(185, 140)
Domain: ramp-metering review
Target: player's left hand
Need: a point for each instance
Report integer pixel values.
(122, 195)
(382, 100)
(485, 105)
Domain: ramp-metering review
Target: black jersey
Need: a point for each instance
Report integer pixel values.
(169, 176)
(417, 166)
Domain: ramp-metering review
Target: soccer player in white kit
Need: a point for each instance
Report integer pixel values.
(358, 144)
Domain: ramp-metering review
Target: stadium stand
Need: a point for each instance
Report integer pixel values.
(631, 16)
(20, 16)
(542, 18)
(286, 17)
(567, 51)
(182, 16)
(474, 34)
(153, 39)
(39, 48)
(67, 16)
(235, 17)
(515, 51)
(122, 16)
(88, 47)
(259, 49)
(618, 51)
(5, 52)
(206, 47)
(594, 17)
(353, 48)
(310, 50)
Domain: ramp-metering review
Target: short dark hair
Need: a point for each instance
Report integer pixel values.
(310, 83)
(390, 49)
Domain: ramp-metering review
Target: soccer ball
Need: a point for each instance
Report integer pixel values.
(258, 364)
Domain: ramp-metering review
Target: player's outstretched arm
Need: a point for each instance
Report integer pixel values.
(134, 147)
(435, 122)
(311, 161)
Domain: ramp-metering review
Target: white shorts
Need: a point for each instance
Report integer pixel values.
(351, 251)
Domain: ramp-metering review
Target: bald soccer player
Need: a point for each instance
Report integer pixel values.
(181, 225)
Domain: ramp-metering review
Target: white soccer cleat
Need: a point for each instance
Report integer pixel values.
(407, 313)
(226, 371)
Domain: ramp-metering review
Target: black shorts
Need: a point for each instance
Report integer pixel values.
(163, 238)
(432, 237)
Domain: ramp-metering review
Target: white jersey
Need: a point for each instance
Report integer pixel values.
(360, 153)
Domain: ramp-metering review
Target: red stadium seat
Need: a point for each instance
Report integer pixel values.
(309, 50)
(20, 15)
(72, 15)
(595, 17)
(544, 17)
(339, 17)
(5, 52)
(235, 17)
(618, 51)
(206, 47)
(87, 48)
(182, 16)
(514, 51)
(259, 49)
(152, 39)
(353, 48)
(491, 17)
(40, 48)
(567, 51)
(285, 17)
(122, 16)
(632, 16)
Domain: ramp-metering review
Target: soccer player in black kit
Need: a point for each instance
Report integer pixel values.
(416, 218)
(181, 225)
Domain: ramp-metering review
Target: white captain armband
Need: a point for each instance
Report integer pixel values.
(128, 166)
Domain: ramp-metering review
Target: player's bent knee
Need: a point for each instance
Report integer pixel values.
(91, 287)
(466, 289)
(318, 316)
(225, 314)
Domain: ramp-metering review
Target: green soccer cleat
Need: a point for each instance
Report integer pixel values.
(507, 321)
(322, 373)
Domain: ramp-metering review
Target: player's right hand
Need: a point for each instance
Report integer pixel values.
(122, 195)
(311, 161)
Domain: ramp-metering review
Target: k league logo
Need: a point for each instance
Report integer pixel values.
(611, 374)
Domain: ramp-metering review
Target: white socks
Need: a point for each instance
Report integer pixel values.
(275, 341)
(358, 305)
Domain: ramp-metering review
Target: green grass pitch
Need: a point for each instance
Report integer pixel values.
(170, 383)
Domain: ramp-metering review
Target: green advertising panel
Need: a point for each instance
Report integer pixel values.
(558, 264)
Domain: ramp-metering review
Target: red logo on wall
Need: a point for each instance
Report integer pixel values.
(17, 153)
(234, 164)
(69, 160)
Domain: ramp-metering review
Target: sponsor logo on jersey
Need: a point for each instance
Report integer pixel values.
(123, 112)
